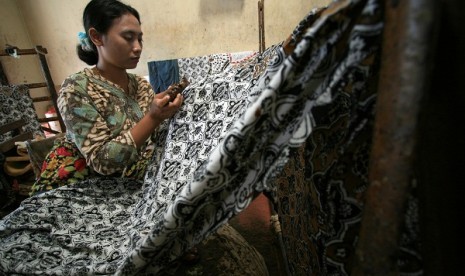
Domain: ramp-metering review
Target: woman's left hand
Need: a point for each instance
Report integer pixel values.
(163, 107)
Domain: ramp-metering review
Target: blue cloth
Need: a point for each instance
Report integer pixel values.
(163, 73)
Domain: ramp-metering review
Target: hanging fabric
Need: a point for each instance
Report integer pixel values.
(162, 74)
(231, 139)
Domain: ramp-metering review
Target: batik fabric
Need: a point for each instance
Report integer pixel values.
(16, 103)
(230, 139)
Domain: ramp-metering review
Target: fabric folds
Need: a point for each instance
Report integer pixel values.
(233, 136)
(16, 103)
(162, 74)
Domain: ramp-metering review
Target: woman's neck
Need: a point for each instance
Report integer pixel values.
(116, 75)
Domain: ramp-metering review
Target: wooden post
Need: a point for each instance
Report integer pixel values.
(3, 78)
(405, 72)
(48, 79)
(261, 26)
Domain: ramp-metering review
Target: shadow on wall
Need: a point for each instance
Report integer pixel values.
(216, 7)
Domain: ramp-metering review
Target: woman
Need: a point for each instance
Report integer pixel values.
(110, 115)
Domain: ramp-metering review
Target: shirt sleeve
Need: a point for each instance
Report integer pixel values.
(102, 138)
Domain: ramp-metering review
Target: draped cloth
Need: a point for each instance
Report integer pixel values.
(320, 193)
(162, 74)
(230, 139)
(15, 104)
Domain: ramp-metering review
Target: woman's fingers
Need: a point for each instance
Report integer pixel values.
(164, 101)
(178, 100)
(163, 107)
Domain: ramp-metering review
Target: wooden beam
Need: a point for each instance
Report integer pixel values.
(404, 77)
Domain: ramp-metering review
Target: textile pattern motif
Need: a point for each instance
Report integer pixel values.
(62, 166)
(77, 229)
(212, 105)
(92, 224)
(96, 112)
(199, 68)
(279, 116)
(15, 103)
(65, 165)
(321, 191)
(99, 115)
(211, 158)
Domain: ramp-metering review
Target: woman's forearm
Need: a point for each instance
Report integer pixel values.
(162, 108)
(144, 128)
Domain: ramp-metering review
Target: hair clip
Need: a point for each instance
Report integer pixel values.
(85, 42)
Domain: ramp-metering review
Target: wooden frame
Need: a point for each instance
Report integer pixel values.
(40, 52)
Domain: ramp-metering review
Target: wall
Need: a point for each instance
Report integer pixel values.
(25, 69)
(172, 28)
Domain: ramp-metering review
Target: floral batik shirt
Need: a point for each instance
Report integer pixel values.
(98, 115)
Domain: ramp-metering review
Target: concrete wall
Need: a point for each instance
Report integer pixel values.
(172, 29)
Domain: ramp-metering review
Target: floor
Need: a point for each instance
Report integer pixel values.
(255, 225)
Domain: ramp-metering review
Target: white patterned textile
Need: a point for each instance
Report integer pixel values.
(229, 139)
(16, 103)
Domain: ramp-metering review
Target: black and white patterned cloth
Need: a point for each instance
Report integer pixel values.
(230, 138)
(16, 103)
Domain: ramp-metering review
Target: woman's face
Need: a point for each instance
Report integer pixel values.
(122, 44)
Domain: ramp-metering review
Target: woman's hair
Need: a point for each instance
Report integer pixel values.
(99, 14)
